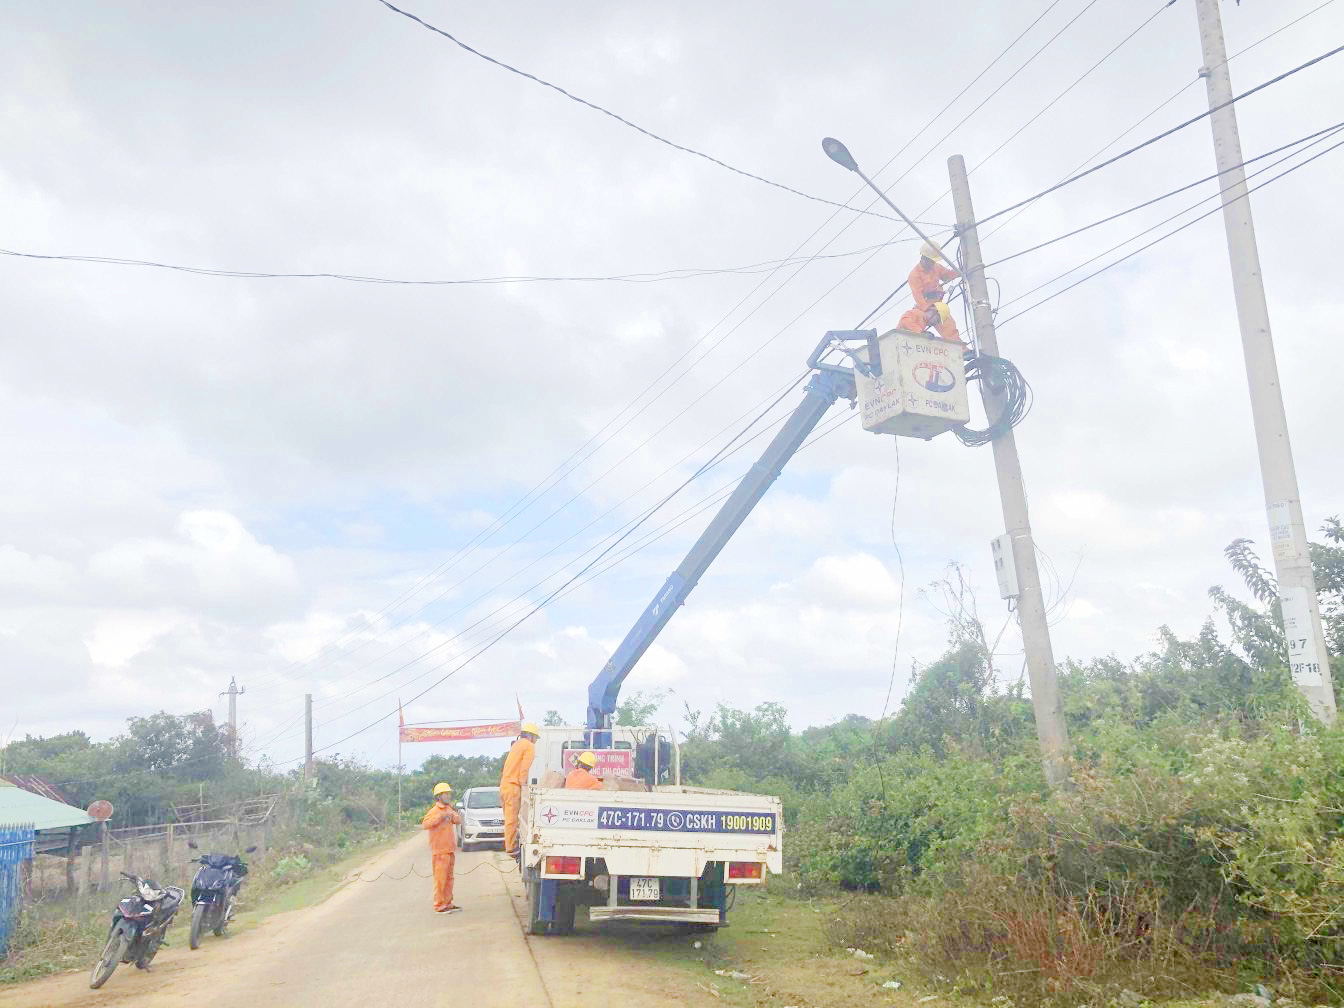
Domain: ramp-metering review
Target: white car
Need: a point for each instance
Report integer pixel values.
(482, 818)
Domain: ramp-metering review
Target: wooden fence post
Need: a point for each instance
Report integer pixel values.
(86, 871)
(103, 880)
(71, 849)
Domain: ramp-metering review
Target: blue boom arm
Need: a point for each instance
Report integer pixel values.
(828, 384)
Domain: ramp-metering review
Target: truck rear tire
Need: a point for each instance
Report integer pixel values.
(535, 925)
(565, 906)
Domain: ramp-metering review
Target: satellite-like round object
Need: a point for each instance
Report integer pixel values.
(101, 810)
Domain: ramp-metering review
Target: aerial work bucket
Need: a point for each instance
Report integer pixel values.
(918, 388)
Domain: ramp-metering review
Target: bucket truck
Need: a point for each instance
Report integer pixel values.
(646, 847)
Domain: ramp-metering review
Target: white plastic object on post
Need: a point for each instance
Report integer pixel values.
(1005, 567)
(921, 390)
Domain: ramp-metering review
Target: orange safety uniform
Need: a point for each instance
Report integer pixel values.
(926, 283)
(581, 779)
(914, 321)
(511, 781)
(439, 821)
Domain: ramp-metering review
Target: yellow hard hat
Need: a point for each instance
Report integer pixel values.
(930, 251)
(530, 728)
(586, 759)
(943, 313)
(441, 787)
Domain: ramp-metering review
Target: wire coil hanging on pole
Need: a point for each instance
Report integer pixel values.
(1002, 377)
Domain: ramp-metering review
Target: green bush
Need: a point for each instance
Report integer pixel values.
(1216, 851)
(291, 868)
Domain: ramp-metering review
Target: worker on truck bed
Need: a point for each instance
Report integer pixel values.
(582, 778)
(512, 779)
(927, 278)
(439, 821)
(934, 316)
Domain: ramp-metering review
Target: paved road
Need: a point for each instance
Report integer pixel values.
(378, 944)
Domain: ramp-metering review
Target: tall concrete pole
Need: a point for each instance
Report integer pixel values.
(307, 736)
(1307, 656)
(232, 693)
(1050, 727)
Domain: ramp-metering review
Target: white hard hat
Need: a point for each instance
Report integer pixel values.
(930, 251)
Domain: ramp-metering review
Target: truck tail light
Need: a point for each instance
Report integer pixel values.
(745, 870)
(564, 865)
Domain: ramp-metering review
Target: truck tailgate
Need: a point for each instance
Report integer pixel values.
(669, 832)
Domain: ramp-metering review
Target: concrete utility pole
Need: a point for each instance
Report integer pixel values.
(1050, 727)
(232, 693)
(307, 736)
(1307, 656)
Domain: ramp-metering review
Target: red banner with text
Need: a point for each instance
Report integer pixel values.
(459, 733)
(610, 762)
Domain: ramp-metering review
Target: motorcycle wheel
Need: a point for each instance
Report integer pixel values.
(197, 924)
(113, 952)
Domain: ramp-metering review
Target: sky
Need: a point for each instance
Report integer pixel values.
(347, 489)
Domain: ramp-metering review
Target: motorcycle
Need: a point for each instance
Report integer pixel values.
(214, 892)
(138, 926)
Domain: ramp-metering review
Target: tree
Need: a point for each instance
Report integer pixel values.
(1258, 632)
(552, 719)
(166, 742)
(640, 708)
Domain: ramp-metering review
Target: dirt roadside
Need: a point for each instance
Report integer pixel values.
(378, 942)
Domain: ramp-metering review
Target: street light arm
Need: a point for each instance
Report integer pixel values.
(840, 154)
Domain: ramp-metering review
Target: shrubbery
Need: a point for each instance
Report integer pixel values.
(1201, 845)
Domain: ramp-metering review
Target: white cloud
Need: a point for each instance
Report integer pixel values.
(208, 477)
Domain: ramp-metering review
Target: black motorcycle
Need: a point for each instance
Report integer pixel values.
(214, 892)
(138, 926)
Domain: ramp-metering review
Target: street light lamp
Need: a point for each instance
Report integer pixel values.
(840, 154)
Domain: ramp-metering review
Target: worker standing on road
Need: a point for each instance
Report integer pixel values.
(512, 779)
(582, 778)
(933, 316)
(928, 277)
(440, 820)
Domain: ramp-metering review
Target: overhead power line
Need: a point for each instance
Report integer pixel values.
(1156, 241)
(1161, 136)
(624, 121)
(1159, 107)
(540, 489)
(773, 399)
(1167, 195)
(661, 276)
(835, 425)
(1086, 73)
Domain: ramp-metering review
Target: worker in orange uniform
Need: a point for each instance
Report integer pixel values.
(439, 821)
(928, 277)
(512, 779)
(582, 778)
(933, 316)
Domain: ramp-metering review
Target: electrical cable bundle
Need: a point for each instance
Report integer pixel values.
(1005, 381)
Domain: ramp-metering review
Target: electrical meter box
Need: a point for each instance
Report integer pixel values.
(918, 388)
(1005, 566)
